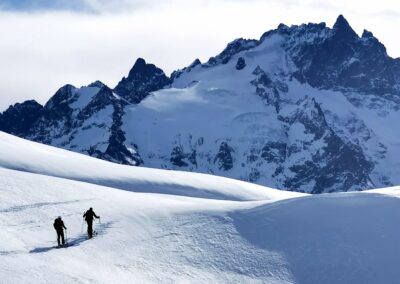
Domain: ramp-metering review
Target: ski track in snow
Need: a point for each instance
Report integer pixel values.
(259, 235)
(151, 238)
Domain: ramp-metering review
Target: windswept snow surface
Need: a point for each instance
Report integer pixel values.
(23, 155)
(242, 234)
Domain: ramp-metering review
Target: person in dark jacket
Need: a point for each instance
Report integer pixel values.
(89, 216)
(59, 227)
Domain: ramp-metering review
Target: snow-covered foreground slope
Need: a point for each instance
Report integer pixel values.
(258, 236)
(142, 237)
(338, 238)
(24, 155)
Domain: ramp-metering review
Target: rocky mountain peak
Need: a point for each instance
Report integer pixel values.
(141, 67)
(97, 84)
(283, 29)
(63, 96)
(236, 46)
(340, 60)
(142, 79)
(231, 49)
(18, 119)
(195, 63)
(177, 73)
(367, 34)
(343, 30)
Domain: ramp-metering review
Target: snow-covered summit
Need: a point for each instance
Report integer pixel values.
(304, 108)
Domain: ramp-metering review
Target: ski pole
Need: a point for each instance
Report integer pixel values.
(99, 225)
(82, 226)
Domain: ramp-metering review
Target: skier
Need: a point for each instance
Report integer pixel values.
(89, 215)
(59, 227)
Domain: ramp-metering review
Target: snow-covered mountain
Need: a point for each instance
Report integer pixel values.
(160, 226)
(304, 108)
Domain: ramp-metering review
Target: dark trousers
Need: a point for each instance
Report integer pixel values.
(60, 237)
(90, 228)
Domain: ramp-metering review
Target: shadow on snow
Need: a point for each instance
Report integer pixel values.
(73, 242)
(340, 238)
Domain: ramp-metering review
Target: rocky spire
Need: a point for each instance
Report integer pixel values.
(142, 79)
(343, 29)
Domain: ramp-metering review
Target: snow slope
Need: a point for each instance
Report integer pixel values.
(205, 108)
(249, 234)
(23, 155)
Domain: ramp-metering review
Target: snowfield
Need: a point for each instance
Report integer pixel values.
(172, 227)
(19, 154)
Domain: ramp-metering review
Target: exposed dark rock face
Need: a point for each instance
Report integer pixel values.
(19, 118)
(61, 123)
(56, 117)
(116, 150)
(268, 89)
(274, 152)
(339, 59)
(334, 164)
(178, 157)
(142, 79)
(240, 64)
(231, 49)
(176, 74)
(224, 157)
(181, 157)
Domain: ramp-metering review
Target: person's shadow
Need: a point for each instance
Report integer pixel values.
(73, 242)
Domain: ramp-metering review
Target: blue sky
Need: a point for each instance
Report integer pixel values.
(40, 5)
(48, 43)
(79, 6)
